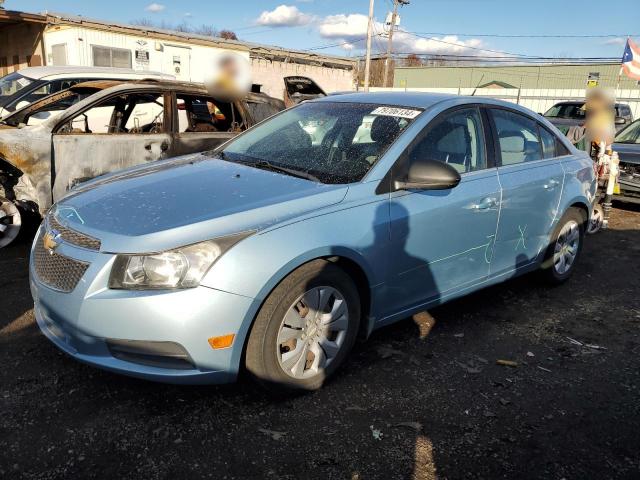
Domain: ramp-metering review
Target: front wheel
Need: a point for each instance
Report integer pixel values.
(305, 329)
(565, 247)
(10, 222)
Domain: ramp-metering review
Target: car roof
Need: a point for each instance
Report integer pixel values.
(423, 100)
(39, 73)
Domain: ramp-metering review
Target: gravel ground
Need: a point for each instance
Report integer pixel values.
(421, 399)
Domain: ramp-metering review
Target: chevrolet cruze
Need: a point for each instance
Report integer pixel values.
(273, 253)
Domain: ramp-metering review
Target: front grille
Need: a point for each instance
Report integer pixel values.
(73, 237)
(55, 270)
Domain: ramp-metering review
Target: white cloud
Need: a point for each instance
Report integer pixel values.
(155, 7)
(615, 41)
(284, 16)
(352, 29)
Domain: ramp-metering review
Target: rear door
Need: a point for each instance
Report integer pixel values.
(531, 178)
(114, 133)
(202, 123)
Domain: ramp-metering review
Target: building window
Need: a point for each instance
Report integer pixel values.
(111, 57)
(59, 54)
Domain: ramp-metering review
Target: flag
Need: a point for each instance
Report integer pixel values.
(631, 60)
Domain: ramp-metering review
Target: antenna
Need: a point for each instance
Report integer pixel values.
(477, 85)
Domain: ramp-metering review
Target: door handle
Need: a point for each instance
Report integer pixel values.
(551, 184)
(485, 204)
(148, 146)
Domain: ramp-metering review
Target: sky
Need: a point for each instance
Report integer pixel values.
(456, 27)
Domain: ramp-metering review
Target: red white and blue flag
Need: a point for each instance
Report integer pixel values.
(631, 60)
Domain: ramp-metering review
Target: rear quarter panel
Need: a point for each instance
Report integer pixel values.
(579, 182)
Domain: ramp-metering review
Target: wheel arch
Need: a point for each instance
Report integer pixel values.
(11, 176)
(349, 260)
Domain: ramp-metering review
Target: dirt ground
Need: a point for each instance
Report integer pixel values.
(403, 407)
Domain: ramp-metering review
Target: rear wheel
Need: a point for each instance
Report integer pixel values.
(596, 220)
(565, 247)
(305, 329)
(10, 222)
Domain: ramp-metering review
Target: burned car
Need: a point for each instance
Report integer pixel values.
(96, 128)
(300, 89)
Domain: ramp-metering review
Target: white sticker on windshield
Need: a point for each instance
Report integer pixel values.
(23, 82)
(396, 112)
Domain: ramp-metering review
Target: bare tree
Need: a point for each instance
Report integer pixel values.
(412, 60)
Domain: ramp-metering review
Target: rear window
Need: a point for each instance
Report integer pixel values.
(566, 110)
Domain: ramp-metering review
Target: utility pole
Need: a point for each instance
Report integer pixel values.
(367, 64)
(392, 27)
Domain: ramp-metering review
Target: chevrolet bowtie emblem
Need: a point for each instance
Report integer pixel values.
(50, 240)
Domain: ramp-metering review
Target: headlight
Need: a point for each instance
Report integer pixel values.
(183, 267)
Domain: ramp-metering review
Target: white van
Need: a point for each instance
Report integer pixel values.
(19, 89)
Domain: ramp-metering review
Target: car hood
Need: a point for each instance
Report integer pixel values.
(628, 152)
(187, 200)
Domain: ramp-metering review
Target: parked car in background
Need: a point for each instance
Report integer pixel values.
(19, 89)
(275, 251)
(98, 127)
(627, 144)
(573, 114)
(300, 89)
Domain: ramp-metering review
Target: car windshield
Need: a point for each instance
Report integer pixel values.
(12, 84)
(566, 110)
(324, 141)
(631, 134)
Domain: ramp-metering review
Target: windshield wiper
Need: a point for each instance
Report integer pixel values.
(264, 164)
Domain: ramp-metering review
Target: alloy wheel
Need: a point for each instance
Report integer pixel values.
(10, 222)
(566, 247)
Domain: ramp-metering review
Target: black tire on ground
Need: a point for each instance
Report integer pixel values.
(261, 356)
(550, 273)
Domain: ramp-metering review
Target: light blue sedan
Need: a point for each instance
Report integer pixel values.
(272, 254)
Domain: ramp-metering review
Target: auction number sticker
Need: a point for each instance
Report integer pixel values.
(396, 112)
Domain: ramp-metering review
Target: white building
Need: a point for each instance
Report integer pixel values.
(73, 40)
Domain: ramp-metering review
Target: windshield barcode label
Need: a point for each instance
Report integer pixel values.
(396, 112)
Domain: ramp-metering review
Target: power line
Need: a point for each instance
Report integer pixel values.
(498, 35)
(466, 46)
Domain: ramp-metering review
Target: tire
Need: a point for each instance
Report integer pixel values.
(293, 346)
(565, 247)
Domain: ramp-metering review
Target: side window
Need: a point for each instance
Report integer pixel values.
(206, 114)
(136, 113)
(456, 139)
(517, 137)
(548, 142)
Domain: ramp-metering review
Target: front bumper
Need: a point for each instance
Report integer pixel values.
(82, 322)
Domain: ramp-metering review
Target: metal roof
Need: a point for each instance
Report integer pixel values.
(38, 73)
(255, 50)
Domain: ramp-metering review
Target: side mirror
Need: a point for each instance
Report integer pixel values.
(620, 121)
(429, 175)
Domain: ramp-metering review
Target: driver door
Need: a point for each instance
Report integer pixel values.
(115, 133)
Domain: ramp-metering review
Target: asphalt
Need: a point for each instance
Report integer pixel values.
(423, 399)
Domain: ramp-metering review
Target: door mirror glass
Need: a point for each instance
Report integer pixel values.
(620, 121)
(429, 175)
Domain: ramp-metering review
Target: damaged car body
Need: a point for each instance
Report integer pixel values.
(97, 127)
